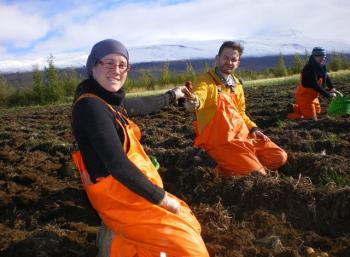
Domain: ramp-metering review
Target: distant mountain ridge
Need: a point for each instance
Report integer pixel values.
(289, 43)
(23, 79)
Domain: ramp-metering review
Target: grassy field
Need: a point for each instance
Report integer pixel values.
(343, 76)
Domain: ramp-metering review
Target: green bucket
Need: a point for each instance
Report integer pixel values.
(154, 161)
(340, 105)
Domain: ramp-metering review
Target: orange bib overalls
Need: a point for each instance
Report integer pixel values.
(226, 139)
(306, 105)
(141, 228)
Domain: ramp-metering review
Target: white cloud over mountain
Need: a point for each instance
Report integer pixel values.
(285, 44)
(31, 30)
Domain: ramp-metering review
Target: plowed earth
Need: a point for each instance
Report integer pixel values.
(44, 210)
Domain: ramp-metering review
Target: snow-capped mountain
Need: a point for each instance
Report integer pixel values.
(253, 47)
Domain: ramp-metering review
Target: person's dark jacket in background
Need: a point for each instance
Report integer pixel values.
(311, 74)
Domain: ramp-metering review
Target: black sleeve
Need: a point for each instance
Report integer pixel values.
(309, 80)
(96, 121)
(148, 104)
(329, 82)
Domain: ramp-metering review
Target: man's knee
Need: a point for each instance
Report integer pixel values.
(280, 159)
(284, 157)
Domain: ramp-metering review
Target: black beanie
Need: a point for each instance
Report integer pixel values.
(103, 48)
(318, 51)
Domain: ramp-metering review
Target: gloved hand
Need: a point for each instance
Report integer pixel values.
(171, 204)
(191, 104)
(338, 92)
(179, 92)
(332, 94)
(186, 90)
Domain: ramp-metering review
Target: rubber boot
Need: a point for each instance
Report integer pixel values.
(103, 241)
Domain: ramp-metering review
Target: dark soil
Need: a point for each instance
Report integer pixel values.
(44, 210)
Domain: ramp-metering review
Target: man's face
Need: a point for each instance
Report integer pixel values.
(320, 59)
(228, 60)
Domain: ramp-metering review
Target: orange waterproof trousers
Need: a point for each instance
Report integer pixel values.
(226, 139)
(307, 105)
(142, 229)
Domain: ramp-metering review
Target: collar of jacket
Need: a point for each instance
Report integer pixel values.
(90, 85)
(229, 82)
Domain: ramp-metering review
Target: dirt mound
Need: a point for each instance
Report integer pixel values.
(44, 210)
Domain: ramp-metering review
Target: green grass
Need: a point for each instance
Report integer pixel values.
(33, 107)
(333, 138)
(147, 93)
(342, 76)
(340, 180)
(273, 81)
(283, 123)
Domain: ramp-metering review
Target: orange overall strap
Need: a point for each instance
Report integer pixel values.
(122, 118)
(76, 155)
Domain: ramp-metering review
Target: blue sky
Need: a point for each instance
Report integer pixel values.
(31, 30)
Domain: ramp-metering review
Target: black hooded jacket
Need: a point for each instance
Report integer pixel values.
(310, 75)
(100, 139)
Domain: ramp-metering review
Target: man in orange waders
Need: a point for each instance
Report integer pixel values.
(223, 129)
(314, 77)
(141, 219)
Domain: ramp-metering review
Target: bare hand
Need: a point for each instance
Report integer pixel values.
(257, 134)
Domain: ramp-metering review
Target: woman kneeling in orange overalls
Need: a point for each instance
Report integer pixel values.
(120, 180)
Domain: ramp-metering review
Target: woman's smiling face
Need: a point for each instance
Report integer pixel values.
(111, 72)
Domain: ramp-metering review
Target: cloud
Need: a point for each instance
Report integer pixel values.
(19, 28)
(156, 22)
(3, 52)
(40, 28)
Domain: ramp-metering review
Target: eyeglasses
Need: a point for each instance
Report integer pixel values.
(110, 65)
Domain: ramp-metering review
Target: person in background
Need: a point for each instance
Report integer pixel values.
(314, 79)
(140, 218)
(223, 128)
